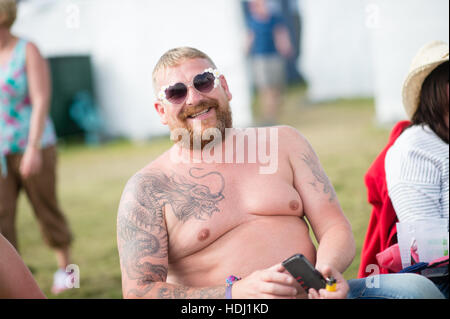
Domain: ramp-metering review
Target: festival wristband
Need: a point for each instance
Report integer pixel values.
(230, 280)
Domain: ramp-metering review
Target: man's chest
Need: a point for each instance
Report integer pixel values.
(203, 203)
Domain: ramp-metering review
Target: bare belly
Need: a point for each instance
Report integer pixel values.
(253, 245)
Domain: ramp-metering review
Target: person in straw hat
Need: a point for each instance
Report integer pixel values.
(418, 162)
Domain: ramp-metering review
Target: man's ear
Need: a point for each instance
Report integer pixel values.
(159, 107)
(224, 84)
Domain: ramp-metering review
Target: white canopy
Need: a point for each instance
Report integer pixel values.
(350, 48)
(363, 48)
(125, 40)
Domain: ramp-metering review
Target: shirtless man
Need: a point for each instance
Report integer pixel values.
(184, 226)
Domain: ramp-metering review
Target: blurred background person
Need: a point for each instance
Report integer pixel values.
(290, 10)
(268, 45)
(27, 143)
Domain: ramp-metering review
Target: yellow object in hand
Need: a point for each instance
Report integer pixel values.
(331, 284)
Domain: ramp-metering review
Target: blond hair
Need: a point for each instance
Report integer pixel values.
(175, 57)
(8, 11)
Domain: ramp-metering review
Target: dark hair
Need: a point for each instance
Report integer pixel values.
(433, 106)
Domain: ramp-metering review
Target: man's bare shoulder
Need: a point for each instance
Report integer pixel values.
(284, 131)
(291, 140)
(140, 206)
(290, 132)
(157, 168)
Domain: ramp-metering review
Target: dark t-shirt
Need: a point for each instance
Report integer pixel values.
(263, 43)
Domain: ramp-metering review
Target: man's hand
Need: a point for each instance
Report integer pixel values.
(31, 162)
(273, 282)
(342, 287)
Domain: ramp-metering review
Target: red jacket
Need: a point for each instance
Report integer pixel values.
(381, 232)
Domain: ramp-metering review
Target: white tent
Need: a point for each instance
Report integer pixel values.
(363, 48)
(350, 48)
(336, 55)
(126, 38)
(404, 27)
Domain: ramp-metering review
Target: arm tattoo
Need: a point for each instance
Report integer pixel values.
(180, 292)
(143, 292)
(320, 176)
(141, 226)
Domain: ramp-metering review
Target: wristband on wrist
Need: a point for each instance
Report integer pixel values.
(230, 280)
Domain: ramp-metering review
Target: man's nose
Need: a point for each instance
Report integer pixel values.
(193, 96)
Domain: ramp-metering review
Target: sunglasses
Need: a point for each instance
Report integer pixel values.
(204, 83)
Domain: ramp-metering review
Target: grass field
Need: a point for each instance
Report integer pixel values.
(91, 181)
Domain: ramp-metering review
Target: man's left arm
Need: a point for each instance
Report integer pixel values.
(321, 206)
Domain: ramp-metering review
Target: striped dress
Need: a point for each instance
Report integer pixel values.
(417, 175)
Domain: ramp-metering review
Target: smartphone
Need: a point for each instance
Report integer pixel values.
(305, 273)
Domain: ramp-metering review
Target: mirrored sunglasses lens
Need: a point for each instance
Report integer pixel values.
(176, 93)
(204, 82)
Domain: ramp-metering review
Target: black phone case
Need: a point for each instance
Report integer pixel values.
(305, 273)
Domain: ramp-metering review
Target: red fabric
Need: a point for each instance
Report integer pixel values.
(381, 232)
(443, 261)
(390, 258)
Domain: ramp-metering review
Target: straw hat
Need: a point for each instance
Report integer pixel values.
(427, 59)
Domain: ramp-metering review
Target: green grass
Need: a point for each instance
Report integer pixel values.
(91, 180)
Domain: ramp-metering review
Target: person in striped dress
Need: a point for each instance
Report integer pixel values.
(417, 164)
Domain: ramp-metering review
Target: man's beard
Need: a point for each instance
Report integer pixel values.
(223, 121)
